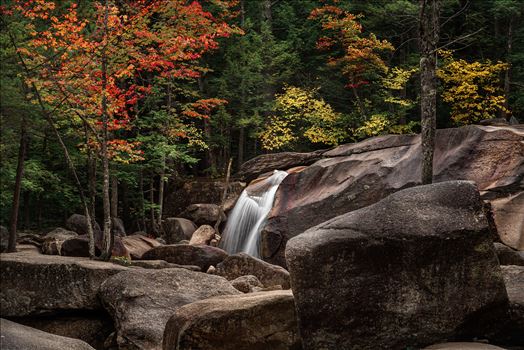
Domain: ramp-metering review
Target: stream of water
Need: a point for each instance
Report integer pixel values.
(242, 232)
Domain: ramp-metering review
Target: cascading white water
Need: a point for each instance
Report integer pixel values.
(242, 232)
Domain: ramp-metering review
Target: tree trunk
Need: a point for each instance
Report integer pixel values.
(429, 36)
(27, 209)
(161, 186)
(108, 236)
(506, 113)
(114, 196)
(13, 222)
(223, 199)
(152, 216)
(91, 176)
(142, 200)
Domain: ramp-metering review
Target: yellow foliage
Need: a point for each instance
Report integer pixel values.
(300, 114)
(377, 124)
(473, 89)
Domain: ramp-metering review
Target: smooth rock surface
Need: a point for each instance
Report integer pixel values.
(35, 283)
(242, 264)
(203, 214)
(185, 254)
(141, 301)
(177, 229)
(15, 336)
(137, 245)
(411, 270)
(463, 346)
(202, 235)
(508, 256)
(162, 264)
(255, 321)
(353, 176)
(246, 284)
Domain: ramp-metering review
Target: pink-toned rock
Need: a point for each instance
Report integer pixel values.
(203, 235)
(137, 245)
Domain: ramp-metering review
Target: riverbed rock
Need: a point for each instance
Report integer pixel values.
(509, 256)
(142, 301)
(92, 328)
(34, 284)
(513, 332)
(78, 224)
(463, 346)
(411, 270)
(353, 176)
(266, 163)
(242, 264)
(185, 254)
(255, 321)
(509, 218)
(202, 235)
(162, 264)
(137, 245)
(117, 226)
(182, 193)
(203, 214)
(247, 284)
(54, 239)
(177, 229)
(18, 337)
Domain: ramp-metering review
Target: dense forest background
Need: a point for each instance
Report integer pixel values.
(282, 79)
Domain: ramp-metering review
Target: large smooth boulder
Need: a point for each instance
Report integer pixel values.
(177, 229)
(411, 270)
(203, 235)
(203, 213)
(78, 224)
(463, 346)
(266, 163)
(256, 321)
(137, 245)
(183, 192)
(185, 254)
(15, 336)
(35, 284)
(509, 218)
(142, 301)
(92, 328)
(353, 176)
(75, 246)
(54, 239)
(242, 264)
(513, 332)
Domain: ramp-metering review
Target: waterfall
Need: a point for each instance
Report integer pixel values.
(242, 232)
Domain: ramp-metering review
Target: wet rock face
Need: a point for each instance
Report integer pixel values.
(408, 271)
(142, 301)
(242, 264)
(185, 254)
(33, 284)
(18, 337)
(255, 321)
(353, 176)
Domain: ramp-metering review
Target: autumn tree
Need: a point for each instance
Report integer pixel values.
(298, 116)
(473, 89)
(356, 55)
(95, 69)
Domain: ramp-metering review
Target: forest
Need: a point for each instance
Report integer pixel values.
(104, 104)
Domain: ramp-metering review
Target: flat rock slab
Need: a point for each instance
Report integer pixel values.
(242, 264)
(256, 321)
(463, 346)
(142, 301)
(15, 336)
(37, 283)
(408, 271)
(185, 254)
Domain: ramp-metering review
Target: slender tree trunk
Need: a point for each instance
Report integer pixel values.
(161, 186)
(429, 36)
(152, 216)
(223, 199)
(27, 209)
(506, 114)
(91, 176)
(13, 222)
(360, 104)
(108, 236)
(142, 200)
(114, 196)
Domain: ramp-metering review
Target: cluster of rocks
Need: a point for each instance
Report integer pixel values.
(353, 260)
